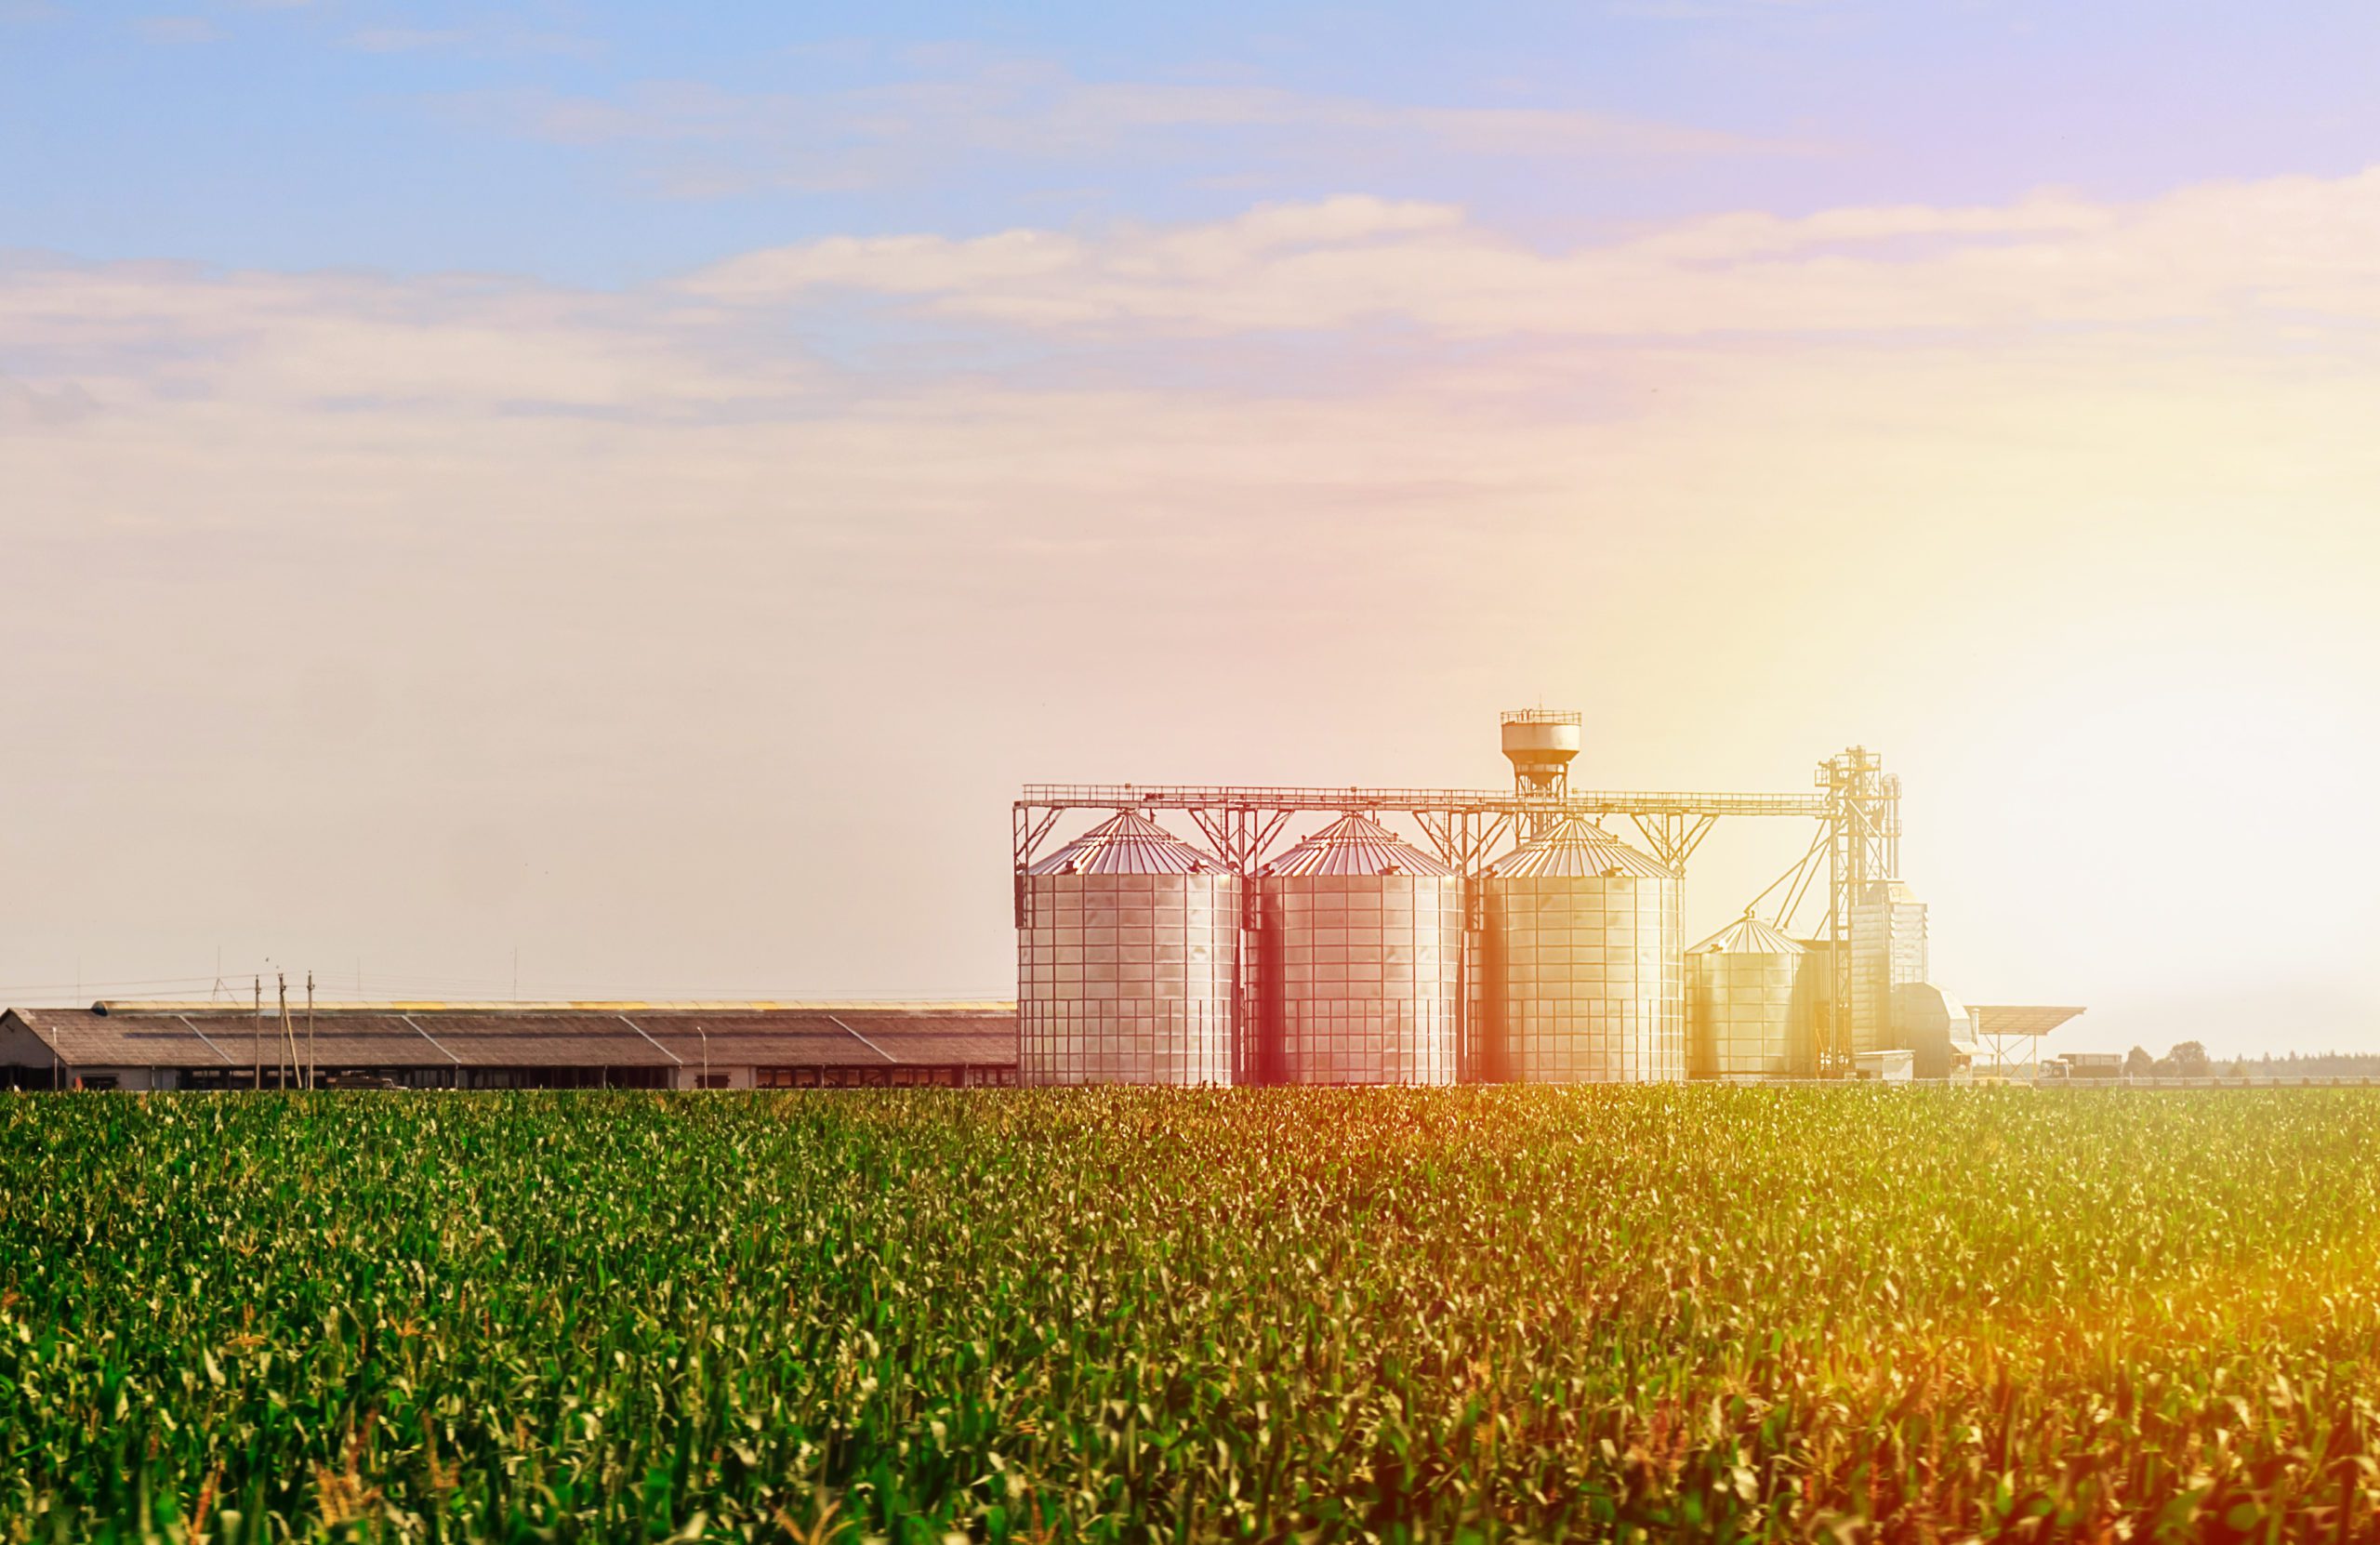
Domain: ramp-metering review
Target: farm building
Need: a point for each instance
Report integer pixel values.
(131, 1045)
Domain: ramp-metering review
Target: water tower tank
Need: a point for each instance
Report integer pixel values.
(1540, 743)
(1361, 960)
(1127, 962)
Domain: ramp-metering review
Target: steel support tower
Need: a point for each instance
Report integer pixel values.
(1863, 853)
(1856, 804)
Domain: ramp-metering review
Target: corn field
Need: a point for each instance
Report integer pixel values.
(1652, 1313)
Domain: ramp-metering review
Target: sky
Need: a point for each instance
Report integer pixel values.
(582, 500)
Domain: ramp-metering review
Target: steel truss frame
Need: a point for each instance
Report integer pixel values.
(1998, 1043)
(1863, 851)
(1856, 804)
(1463, 825)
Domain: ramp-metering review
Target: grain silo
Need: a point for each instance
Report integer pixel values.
(1126, 960)
(1580, 963)
(1361, 960)
(1887, 944)
(1751, 1004)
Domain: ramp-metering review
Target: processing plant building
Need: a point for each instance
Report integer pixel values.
(1520, 941)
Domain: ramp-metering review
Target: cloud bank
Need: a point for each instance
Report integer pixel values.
(2292, 246)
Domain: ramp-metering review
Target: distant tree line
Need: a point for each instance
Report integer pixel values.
(2187, 1060)
(2318, 1065)
(2190, 1061)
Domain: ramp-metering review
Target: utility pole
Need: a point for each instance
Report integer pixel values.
(288, 1037)
(258, 1083)
(313, 1071)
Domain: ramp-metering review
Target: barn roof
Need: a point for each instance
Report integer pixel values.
(400, 1036)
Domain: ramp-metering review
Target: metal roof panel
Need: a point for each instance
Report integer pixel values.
(532, 1035)
(1749, 935)
(1355, 845)
(1575, 848)
(1128, 843)
(2019, 1019)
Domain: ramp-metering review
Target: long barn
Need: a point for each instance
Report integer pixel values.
(134, 1046)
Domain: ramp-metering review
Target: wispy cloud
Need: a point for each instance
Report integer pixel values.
(135, 335)
(169, 30)
(721, 141)
(480, 40)
(2270, 249)
(60, 402)
(2275, 262)
(401, 39)
(1720, 10)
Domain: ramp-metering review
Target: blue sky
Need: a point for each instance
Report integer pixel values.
(644, 485)
(605, 144)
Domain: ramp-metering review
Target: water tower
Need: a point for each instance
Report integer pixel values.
(1541, 743)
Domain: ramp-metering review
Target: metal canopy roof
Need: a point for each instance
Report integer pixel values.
(1576, 849)
(1352, 845)
(2019, 1019)
(1129, 843)
(1749, 935)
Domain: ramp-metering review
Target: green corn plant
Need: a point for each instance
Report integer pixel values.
(1459, 1315)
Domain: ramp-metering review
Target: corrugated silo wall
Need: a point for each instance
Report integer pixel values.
(1360, 977)
(1752, 1014)
(1480, 1020)
(1253, 1028)
(1583, 980)
(1127, 978)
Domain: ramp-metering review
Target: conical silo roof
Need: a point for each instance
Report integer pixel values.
(1748, 935)
(1576, 849)
(1352, 845)
(1128, 843)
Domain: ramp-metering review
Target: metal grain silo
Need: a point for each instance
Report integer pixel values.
(1581, 978)
(1126, 960)
(1361, 960)
(1751, 1002)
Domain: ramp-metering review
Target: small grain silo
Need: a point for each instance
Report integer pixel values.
(1361, 960)
(1580, 963)
(1126, 960)
(1751, 1003)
